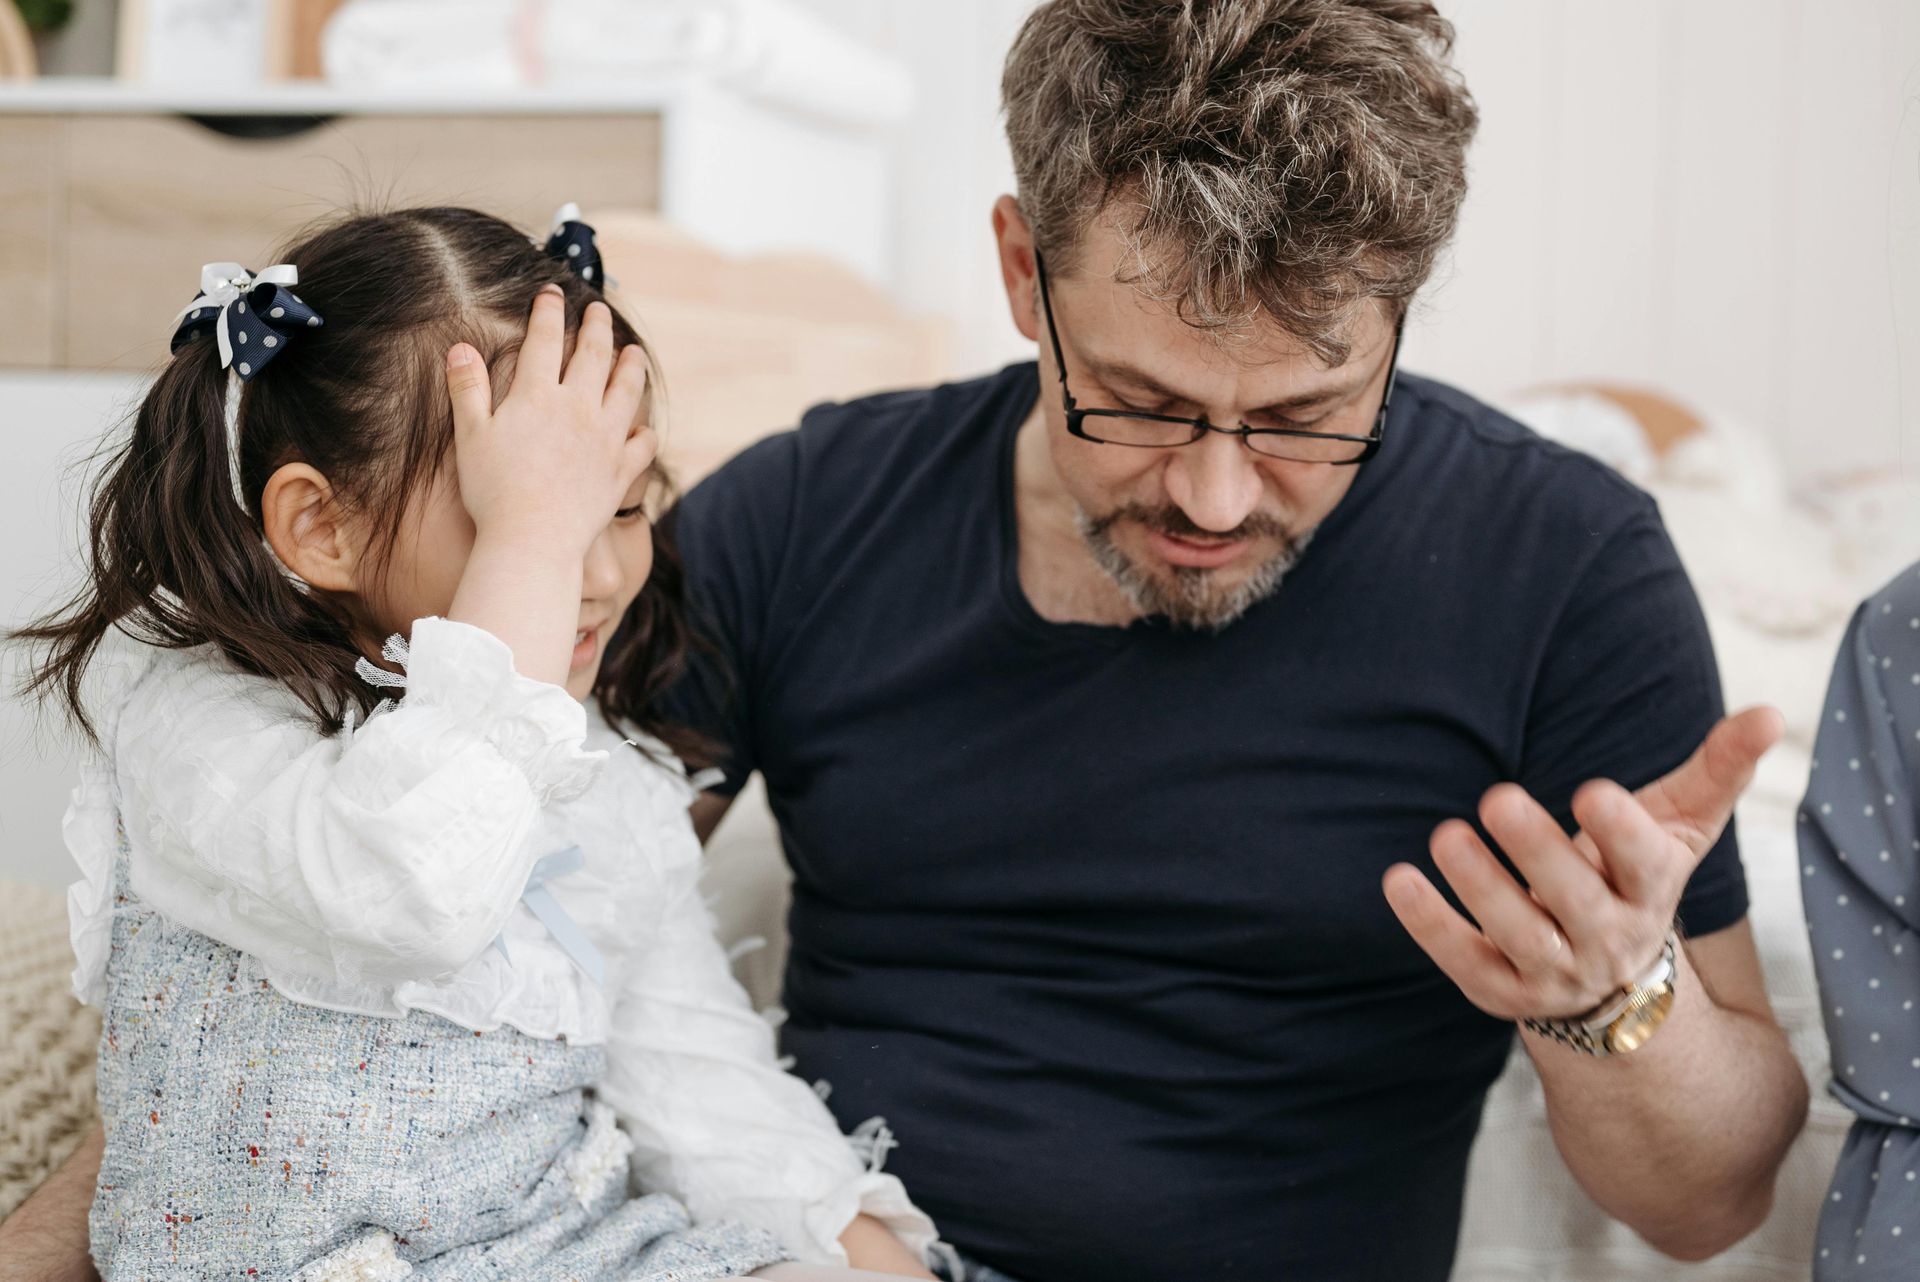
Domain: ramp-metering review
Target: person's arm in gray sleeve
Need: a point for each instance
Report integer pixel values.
(1860, 863)
(1860, 884)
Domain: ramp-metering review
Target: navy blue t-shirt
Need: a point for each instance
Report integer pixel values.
(1092, 915)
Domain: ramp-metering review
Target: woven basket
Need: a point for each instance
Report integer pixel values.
(47, 1043)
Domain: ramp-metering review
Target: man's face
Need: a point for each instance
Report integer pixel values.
(1200, 532)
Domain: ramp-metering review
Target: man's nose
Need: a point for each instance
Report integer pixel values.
(1214, 481)
(600, 573)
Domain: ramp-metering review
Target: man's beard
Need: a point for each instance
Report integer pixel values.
(1192, 599)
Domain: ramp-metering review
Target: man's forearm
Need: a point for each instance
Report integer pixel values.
(45, 1240)
(1680, 1140)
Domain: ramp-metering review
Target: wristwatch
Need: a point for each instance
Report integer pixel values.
(1625, 1021)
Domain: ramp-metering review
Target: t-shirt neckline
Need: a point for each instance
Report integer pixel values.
(1025, 397)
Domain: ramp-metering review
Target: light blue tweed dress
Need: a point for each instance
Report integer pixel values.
(252, 1136)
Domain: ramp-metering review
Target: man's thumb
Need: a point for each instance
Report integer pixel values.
(1701, 793)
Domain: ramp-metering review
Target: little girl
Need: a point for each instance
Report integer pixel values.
(404, 966)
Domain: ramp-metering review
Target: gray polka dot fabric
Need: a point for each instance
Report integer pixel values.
(1860, 881)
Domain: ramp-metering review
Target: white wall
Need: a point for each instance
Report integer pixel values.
(49, 426)
(1720, 198)
(1717, 197)
(950, 161)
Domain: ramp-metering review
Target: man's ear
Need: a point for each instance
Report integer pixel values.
(1015, 241)
(306, 528)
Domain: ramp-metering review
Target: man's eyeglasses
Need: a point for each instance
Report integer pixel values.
(1165, 431)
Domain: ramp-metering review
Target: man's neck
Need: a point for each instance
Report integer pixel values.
(1062, 581)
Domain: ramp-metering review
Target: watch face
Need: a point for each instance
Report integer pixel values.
(1631, 1031)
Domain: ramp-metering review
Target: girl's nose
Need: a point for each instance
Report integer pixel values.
(601, 575)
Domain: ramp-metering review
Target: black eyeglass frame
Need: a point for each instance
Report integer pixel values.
(1077, 416)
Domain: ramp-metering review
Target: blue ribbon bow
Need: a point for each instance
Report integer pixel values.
(565, 930)
(252, 317)
(572, 243)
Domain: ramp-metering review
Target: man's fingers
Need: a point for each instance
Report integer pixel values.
(1695, 801)
(1564, 881)
(1461, 952)
(1639, 854)
(539, 361)
(592, 351)
(1511, 919)
(467, 387)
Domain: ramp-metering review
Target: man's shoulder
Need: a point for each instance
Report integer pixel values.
(1499, 464)
(802, 500)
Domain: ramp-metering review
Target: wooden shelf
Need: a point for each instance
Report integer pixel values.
(103, 95)
(105, 217)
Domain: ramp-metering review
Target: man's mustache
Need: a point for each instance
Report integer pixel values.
(1171, 521)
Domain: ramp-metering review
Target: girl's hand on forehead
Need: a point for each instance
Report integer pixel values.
(556, 459)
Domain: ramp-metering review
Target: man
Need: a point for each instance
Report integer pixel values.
(1099, 701)
(1120, 713)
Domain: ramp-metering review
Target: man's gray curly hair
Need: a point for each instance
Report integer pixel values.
(1281, 157)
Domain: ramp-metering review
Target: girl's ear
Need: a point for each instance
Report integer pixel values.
(307, 529)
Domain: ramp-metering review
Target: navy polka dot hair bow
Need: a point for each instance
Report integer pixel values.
(571, 241)
(252, 317)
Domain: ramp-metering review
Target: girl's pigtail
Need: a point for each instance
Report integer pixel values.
(175, 562)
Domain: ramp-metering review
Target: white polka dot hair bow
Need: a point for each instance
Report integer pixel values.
(571, 242)
(252, 317)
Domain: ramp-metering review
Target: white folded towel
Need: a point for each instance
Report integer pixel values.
(769, 50)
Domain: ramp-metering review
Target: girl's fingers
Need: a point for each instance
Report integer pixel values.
(592, 351)
(1512, 920)
(627, 390)
(539, 363)
(1486, 977)
(638, 454)
(467, 388)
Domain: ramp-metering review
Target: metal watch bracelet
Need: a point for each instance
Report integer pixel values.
(1588, 1033)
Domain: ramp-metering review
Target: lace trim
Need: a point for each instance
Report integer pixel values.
(370, 1259)
(601, 1157)
(871, 1141)
(395, 651)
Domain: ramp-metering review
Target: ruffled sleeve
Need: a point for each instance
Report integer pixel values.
(468, 675)
(694, 1075)
(91, 834)
(90, 828)
(390, 854)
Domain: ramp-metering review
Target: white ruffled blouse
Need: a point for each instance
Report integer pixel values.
(373, 871)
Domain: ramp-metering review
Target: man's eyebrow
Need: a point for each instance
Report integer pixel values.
(1110, 371)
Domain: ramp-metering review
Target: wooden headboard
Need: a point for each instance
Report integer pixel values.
(746, 345)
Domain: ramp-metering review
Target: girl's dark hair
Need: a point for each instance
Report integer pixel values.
(175, 562)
